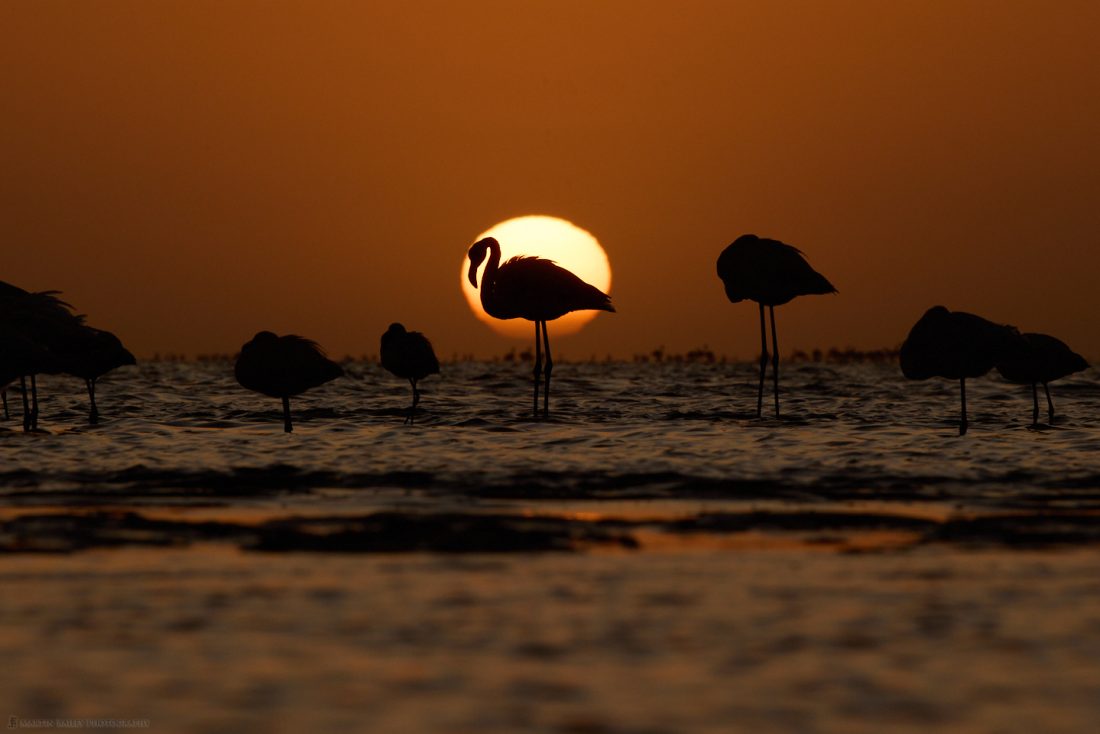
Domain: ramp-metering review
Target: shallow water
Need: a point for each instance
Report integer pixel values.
(653, 558)
(670, 430)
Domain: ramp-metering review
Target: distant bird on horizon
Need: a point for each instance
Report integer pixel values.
(957, 345)
(409, 355)
(534, 289)
(283, 366)
(770, 273)
(1044, 359)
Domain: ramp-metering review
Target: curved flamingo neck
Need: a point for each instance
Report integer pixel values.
(489, 278)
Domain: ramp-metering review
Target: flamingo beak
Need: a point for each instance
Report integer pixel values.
(473, 274)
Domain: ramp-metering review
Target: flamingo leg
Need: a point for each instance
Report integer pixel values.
(93, 416)
(416, 399)
(1035, 402)
(538, 365)
(4, 394)
(962, 423)
(287, 427)
(26, 407)
(775, 360)
(549, 368)
(763, 364)
(1050, 405)
(34, 402)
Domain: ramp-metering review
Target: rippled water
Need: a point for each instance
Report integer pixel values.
(853, 566)
(671, 430)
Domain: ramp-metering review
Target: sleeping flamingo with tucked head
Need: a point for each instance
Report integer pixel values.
(770, 273)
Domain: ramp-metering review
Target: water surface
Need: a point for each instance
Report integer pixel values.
(653, 558)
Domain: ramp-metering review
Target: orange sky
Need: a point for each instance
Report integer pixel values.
(191, 172)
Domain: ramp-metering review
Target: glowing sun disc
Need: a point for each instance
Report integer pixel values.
(554, 239)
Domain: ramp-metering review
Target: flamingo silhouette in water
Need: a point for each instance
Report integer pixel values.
(957, 345)
(92, 354)
(408, 354)
(1044, 359)
(44, 336)
(20, 357)
(283, 366)
(534, 289)
(770, 273)
(36, 325)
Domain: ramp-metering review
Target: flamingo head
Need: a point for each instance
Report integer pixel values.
(477, 256)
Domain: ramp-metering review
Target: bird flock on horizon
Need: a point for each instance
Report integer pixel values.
(41, 334)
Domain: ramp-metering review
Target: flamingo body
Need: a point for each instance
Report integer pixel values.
(530, 288)
(46, 337)
(534, 289)
(99, 353)
(1043, 360)
(771, 273)
(92, 354)
(408, 354)
(956, 345)
(768, 272)
(22, 356)
(282, 367)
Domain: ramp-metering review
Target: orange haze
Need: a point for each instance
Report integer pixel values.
(191, 172)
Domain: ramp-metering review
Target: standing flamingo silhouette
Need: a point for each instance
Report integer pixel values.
(22, 356)
(1044, 360)
(283, 366)
(408, 354)
(534, 289)
(92, 354)
(44, 329)
(957, 345)
(770, 273)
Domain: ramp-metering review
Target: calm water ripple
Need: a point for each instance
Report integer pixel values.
(853, 567)
(660, 430)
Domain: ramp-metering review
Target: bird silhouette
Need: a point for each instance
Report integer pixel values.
(1044, 359)
(957, 345)
(534, 289)
(22, 357)
(55, 340)
(770, 273)
(37, 328)
(90, 354)
(409, 355)
(283, 366)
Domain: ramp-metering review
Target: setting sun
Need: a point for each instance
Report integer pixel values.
(551, 238)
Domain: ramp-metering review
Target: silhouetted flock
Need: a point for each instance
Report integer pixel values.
(41, 334)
